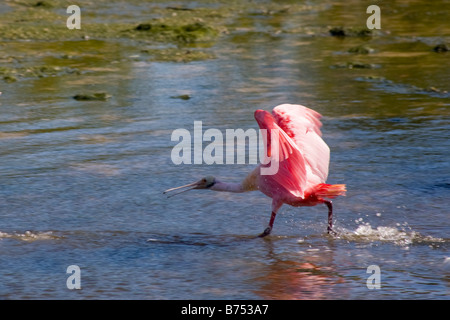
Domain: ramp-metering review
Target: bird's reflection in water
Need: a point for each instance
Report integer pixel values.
(305, 279)
(290, 280)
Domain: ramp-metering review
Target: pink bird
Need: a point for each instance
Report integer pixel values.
(294, 141)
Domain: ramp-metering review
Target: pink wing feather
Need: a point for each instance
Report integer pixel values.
(291, 173)
(302, 125)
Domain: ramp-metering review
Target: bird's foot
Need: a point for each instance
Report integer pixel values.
(331, 231)
(265, 232)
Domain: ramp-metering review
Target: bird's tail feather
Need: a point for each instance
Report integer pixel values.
(331, 191)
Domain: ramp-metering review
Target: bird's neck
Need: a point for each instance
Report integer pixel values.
(227, 187)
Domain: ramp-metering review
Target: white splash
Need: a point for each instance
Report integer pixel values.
(29, 236)
(399, 236)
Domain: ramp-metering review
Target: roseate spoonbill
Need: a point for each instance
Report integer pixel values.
(303, 159)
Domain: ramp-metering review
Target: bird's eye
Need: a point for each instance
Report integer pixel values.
(203, 180)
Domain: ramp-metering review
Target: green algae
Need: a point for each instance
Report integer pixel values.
(163, 32)
(176, 34)
(43, 20)
(13, 74)
(119, 31)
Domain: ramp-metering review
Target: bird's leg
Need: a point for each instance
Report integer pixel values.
(269, 228)
(276, 205)
(330, 217)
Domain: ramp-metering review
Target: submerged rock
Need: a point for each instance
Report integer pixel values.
(43, 4)
(144, 27)
(99, 96)
(182, 97)
(350, 32)
(9, 79)
(442, 47)
(381, 83)
(355, 65)
(361, 50)
(177, 55)
(337, 32)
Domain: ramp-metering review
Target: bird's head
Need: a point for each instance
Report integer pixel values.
(203, 183)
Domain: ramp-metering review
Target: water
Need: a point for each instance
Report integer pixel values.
(81, 181)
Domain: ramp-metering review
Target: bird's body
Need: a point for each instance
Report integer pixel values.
(294, 142)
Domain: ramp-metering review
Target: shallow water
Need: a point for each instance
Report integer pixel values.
(81, 181)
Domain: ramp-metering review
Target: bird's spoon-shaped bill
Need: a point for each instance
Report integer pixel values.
(189, 186)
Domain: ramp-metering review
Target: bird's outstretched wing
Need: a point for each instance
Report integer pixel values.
(303, 125)
(291, 170)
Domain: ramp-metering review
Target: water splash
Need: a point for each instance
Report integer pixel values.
(29, 236)
(402, 236)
